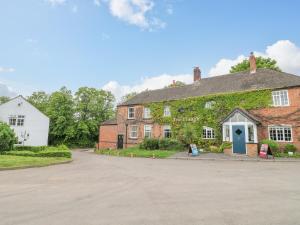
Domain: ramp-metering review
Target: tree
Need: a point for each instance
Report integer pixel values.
(261, 62)
(128, 96)
(40, 100)
(61, 112)
(92, 107)
(4, 99)
(7, 137)
(177, 84)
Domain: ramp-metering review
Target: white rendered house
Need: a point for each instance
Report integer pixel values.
(30, 125)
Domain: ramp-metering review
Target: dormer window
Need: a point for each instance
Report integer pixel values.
(210, 104)
(280, 98)
(167, 111)
(131, 113)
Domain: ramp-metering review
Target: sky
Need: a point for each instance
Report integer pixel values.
(132, 45)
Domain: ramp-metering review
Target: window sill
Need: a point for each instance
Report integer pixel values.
(132, 138)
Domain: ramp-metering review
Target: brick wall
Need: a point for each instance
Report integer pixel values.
(108, 137)
(289, 115)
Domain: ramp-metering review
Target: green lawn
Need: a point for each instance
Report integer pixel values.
(136, 152)
(11, 162)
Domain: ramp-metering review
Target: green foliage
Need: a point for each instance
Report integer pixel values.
(150, 144)
(215, 149)
(7, 137)
(290, 148)
(272, 144)
(176, 84)
(40, 100)
(261, 62)
(128, 96)
(4, 99)
(170, 144)
(43, 151)
(74, 120)
(187, 135)
(225, 145)
(190, 115)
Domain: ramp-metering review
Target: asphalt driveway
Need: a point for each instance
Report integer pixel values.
(107, 190)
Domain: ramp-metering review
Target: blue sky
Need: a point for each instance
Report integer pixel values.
(125, 45)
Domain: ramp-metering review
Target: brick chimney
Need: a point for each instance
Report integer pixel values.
(252, 61)
(197, 74)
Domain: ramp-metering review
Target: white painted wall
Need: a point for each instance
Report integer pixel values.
(36, 124)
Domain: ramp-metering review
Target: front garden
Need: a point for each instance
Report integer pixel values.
(12, 156)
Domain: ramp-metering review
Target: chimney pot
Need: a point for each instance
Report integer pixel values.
(252, 61)
(197, 74)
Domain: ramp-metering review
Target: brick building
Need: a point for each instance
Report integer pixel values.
(279, 122)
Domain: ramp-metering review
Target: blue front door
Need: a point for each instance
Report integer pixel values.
(239, 143)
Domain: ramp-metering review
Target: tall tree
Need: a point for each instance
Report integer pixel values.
(92, 107)
(61, 112)
(128, 96)
(177, 84)
(4, 99)
(261, 62)
(40, 100)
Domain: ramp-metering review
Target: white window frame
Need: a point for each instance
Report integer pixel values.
(129, 116)
(167, 111)
(20, 121)
(281, 127)
(136, 132)
(14, 118)
(147, 129)
(147, 113)
(167, 127)
(277, 98)
(207, 130)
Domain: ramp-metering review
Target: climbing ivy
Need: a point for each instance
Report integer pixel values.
(193, 111)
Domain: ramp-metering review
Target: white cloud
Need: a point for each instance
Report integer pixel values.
(56, 2)
(285, 52)
(6, 91)
(149, 83)
(7, 70)
(97, 3)
(135, 12)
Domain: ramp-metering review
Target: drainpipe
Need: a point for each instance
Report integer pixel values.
(126, 135)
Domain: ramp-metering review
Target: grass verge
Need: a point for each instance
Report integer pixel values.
(15, 162)
(136, 152)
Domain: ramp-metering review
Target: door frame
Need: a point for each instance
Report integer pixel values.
(245, 138)
(122, 141)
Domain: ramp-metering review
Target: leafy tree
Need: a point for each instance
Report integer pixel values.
(261, 62)
(92, 107)
(177, 84)
(61, 112)
(40, 100)
(7, 137)
(4, 99)
(128, 96)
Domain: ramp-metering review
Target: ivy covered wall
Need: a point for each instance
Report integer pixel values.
(193, 111)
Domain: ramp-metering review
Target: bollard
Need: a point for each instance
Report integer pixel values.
(153, 156)
(131, 155)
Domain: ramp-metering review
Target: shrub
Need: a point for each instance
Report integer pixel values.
(214, 149)
(150, 144)
(170, 144)
(7, 137)
(225, 145)
(272, 144)
(289, 148)
(187, 135)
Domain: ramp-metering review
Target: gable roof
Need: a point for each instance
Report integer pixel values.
(244, 112)
(21, 96)
(236, 82)
(112, 121)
